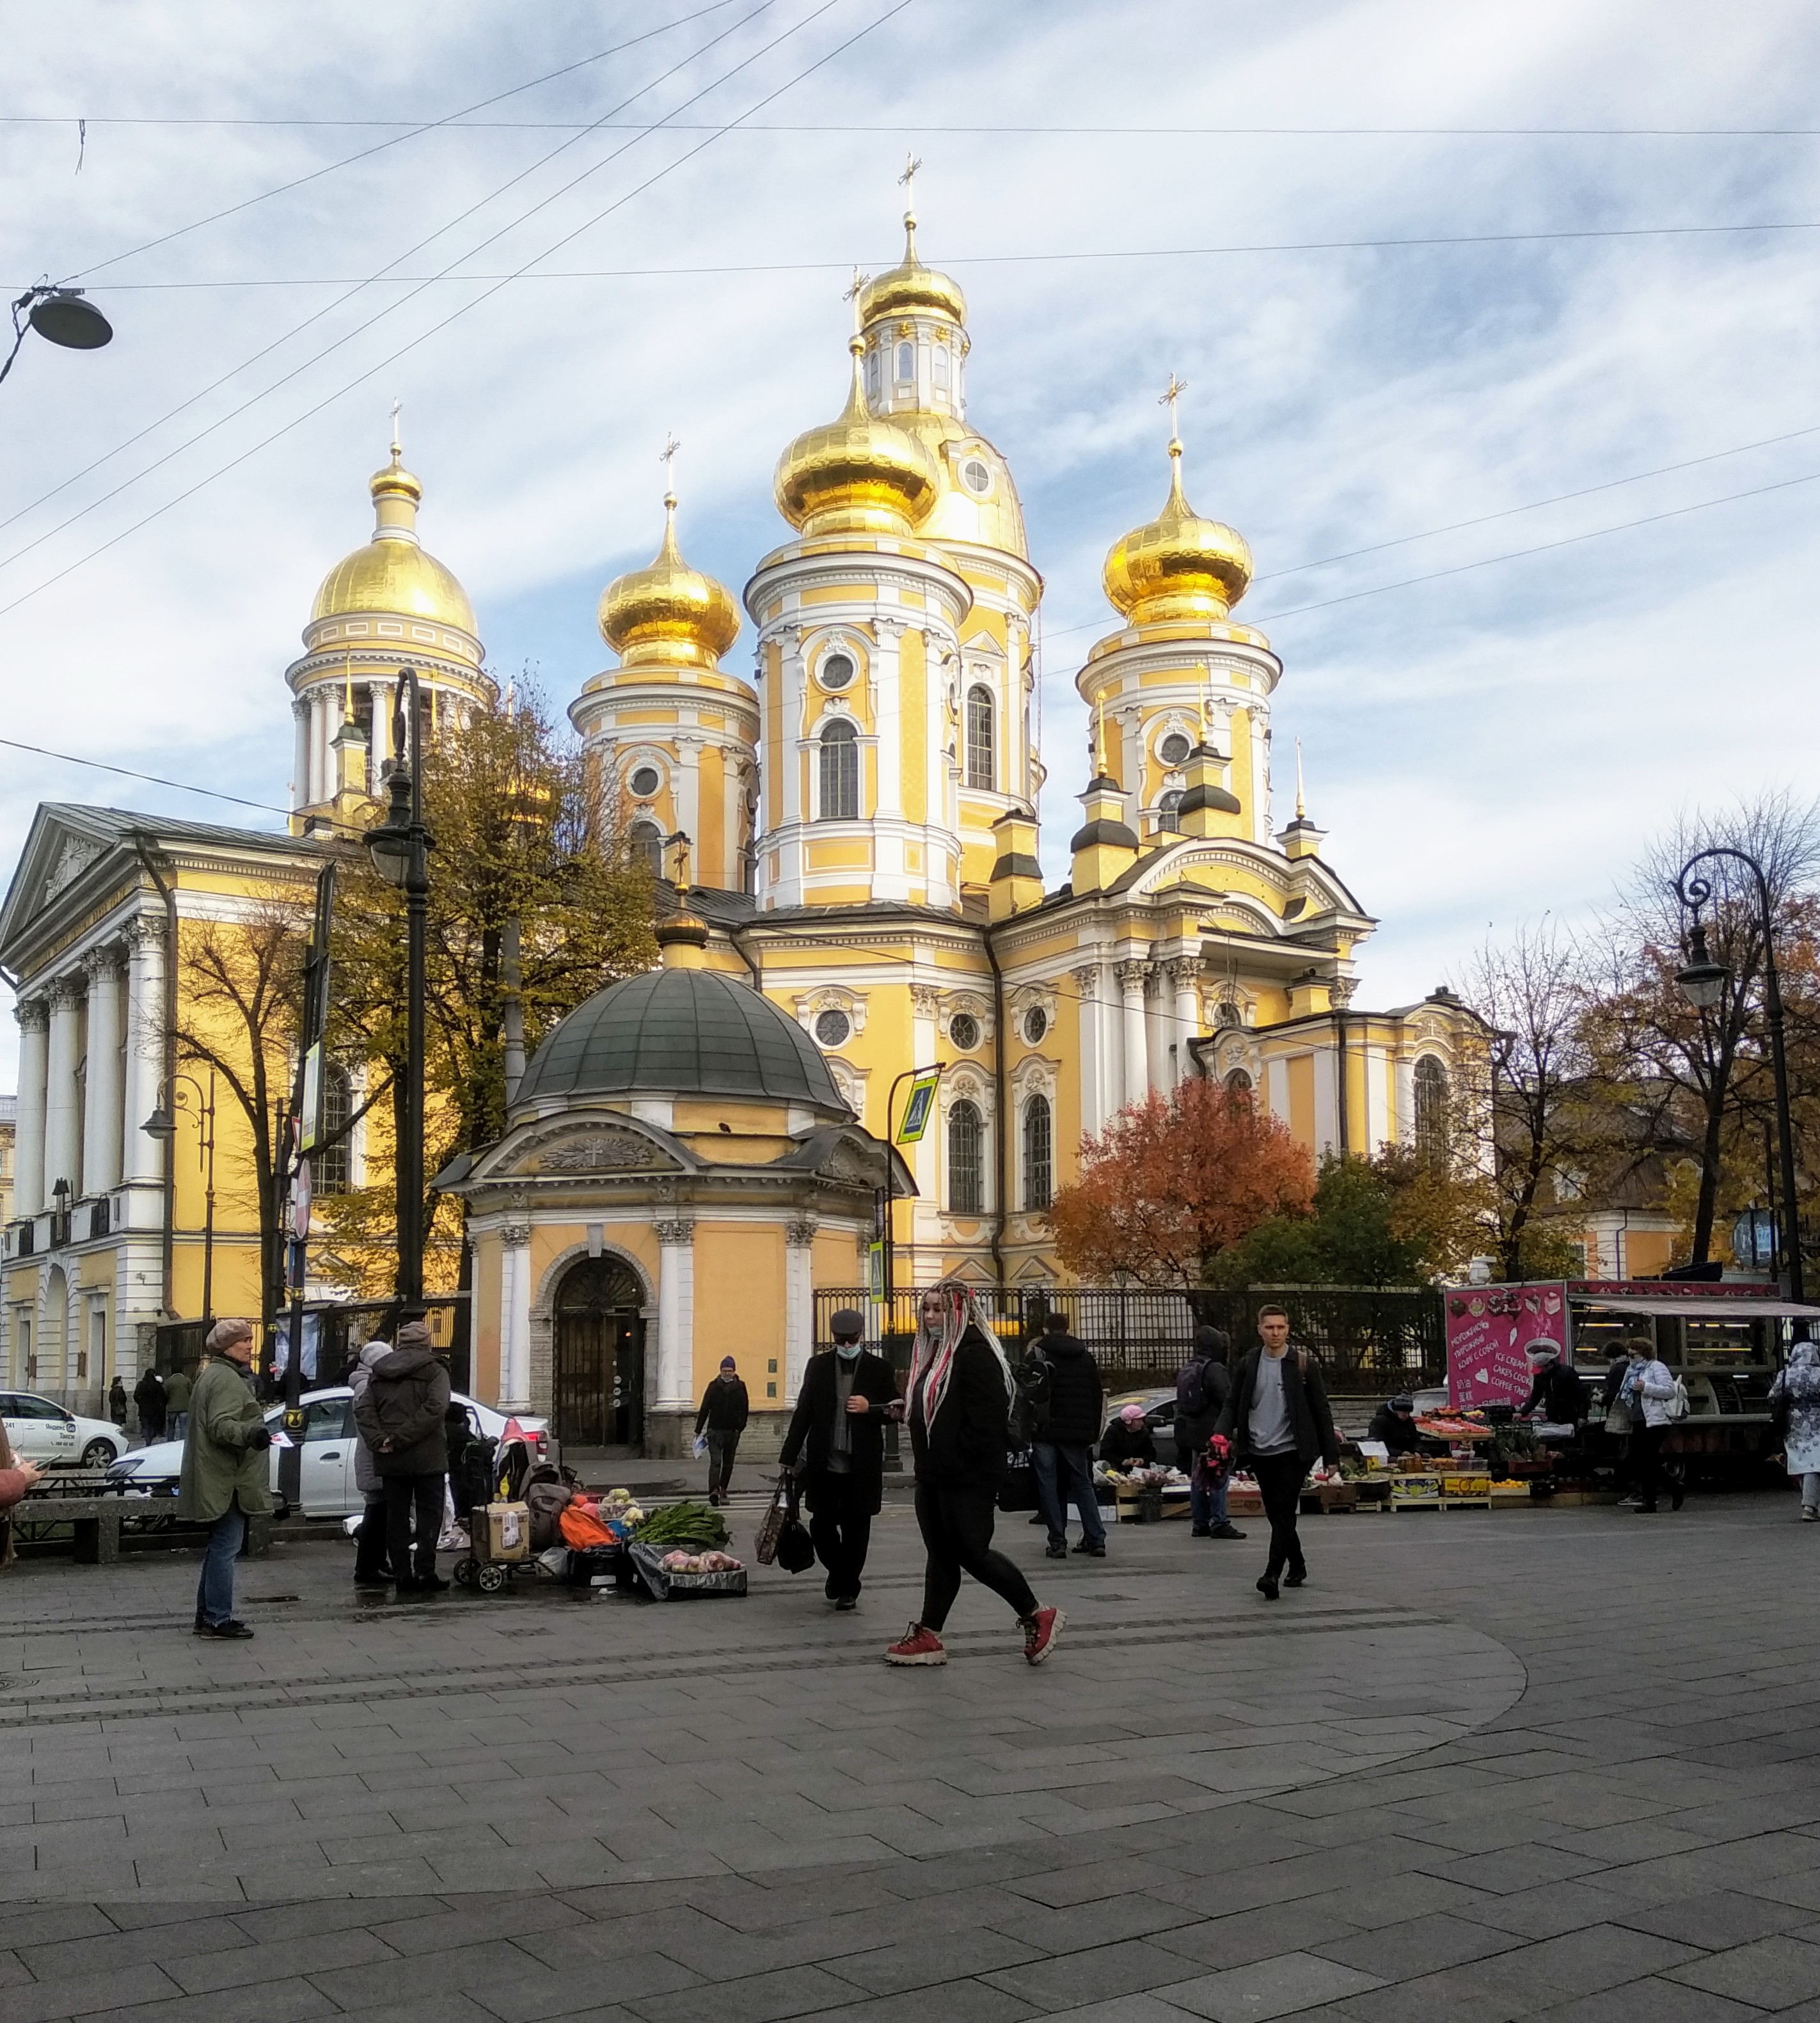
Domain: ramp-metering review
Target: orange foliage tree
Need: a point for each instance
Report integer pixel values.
(1172, 1181)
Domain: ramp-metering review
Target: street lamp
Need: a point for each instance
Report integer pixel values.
(1703, 982)
(400, 848)
(63, 316)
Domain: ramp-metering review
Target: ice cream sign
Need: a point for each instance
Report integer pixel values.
(1490, 1331)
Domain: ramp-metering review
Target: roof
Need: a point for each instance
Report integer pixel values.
(680, 1032)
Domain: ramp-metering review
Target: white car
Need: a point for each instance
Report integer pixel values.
(326, 1470)
(45, 1434)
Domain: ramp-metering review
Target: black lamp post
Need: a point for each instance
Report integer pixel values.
(63, 316)
(400, 847)
(1703, 982)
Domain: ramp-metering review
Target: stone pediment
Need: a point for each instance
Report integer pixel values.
(599, 1150)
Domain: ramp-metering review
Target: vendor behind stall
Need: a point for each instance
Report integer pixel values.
(1128, 1442)
(1555, 1393)
(1393, 1423)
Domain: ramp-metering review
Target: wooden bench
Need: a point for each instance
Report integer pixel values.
(95, 1523)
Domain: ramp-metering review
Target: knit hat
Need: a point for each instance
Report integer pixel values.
(728, 1362)
(415, 1334)
(1133, 1415)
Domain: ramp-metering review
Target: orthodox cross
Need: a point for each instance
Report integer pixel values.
(1171, 394)
(911, 163)
(666, 457)
(397, 447)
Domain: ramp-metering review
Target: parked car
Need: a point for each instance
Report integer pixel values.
(1158, 1415)
(45, 1434)
(326, 1473)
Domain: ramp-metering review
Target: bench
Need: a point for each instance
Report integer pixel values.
(95, 1524)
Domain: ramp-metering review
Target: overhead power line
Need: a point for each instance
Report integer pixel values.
(935, 126)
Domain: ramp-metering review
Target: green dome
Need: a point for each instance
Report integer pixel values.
(680, 1032)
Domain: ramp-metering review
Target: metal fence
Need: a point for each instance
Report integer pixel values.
(1367, 1338)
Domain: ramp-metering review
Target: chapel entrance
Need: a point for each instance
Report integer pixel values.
(598, 1394)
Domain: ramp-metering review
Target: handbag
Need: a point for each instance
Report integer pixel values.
(782, 1511)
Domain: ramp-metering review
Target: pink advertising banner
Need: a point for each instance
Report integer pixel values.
(1490, 1329)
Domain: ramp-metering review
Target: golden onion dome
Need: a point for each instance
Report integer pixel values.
(911, 288)
(858, 473)
(668, 612)
(393, 573)
(1179, 566)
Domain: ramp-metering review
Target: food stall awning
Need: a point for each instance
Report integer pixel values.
(1701, 1309)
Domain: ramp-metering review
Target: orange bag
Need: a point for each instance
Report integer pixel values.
(581, 1529)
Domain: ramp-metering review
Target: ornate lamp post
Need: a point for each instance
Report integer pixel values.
(1703, 982)
(400, 848)
(63, 316)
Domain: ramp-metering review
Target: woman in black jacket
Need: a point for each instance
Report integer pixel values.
(1279, 1423)
(959, 1410)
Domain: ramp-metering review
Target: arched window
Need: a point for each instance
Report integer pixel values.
(871, 371)
(1430, 1107)
(840, 771)
(647, 843)
(939, 367)
(1169, 812)
(1039, 1162)
(1239, 1081)
(332, 1164)
(966, 1162)
(906, 361)
(981, 772)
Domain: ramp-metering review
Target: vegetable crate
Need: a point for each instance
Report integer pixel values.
(1416, 1492)
(1466, 1492)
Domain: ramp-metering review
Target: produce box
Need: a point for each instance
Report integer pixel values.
(1478, 1486)
(1244, 1503)
(662, 1585)
(1339, 1496)
(1416, 1492)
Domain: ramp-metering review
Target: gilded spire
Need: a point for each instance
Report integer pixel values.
(391, 574)
(1179, 566)
(668, 612)
(1300, 800)
(910, 289)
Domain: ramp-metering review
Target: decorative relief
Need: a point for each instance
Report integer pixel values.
(680, 1229)
(33, 1015)
(1132, 976)
(925, 1000)
(102, 964)
(71, 861)
(1184, 972)
(1343, 988)
(514, 1235)
(145, 931)
(604, 1152)
(1086, 978)
(799, 1231)
(63, 992)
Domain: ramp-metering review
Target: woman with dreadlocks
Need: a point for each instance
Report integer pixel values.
(959, 1410)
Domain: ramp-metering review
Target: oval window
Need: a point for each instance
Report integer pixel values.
(832, 1027)
(977, 478)
(964, 1031)
(836, 671)
(1173, 749)
(646, 779)
(1035, 1026)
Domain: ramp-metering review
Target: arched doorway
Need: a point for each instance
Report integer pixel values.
(598, 1394)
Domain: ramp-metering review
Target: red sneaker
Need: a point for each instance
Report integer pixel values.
(1041, 1633)
(917, 1646)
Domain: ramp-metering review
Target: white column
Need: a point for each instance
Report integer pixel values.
(676, 1315)
(689, 745)
(28, 1148)
(799, 1304)
(515, 1318)
(1131, 975)
(102, 1120)
(1182, 975)
(379, 693)
(300, 753)
(142, 1159)
(61, 1149)
(1086, 981)
(887, 713)
(321, 730)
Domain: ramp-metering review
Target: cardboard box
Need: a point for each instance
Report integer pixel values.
(508, 1531)
(1466, 1485)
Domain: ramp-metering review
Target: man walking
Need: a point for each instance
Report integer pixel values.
(176, 1404)
(725, 1409)
(838, 1429)
(1279, 1422)
(224, 1470)
(1061, 1455)
(1202, 1385)
(148, 1397)
(400, 1416)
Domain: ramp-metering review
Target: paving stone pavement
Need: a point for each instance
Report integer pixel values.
(1548, 1764)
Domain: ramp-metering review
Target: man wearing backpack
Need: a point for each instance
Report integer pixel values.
(1202, 1385)
(1278, 1419)
(1061, 1453)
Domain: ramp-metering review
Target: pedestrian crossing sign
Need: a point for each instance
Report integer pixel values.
(915, 1114)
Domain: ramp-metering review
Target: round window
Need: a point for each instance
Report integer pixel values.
(964, 1031)
(645, 780)
(836, 671)
(1173, 748)
(832, 1027)
(977, 477)
(1035, 1025)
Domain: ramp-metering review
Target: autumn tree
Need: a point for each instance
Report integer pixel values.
(1174, 1181)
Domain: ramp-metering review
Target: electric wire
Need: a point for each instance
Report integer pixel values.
(972, 127)
(422, 337)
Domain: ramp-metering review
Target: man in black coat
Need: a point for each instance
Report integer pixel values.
(149, 1397)
(401, 1416)
(1202, 1385)
(1061, 1453)
(838, 1431)
(1279, 1423)
(725, 1409)
(1393, 1423)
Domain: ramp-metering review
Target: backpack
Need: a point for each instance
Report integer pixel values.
(1030, 1416)
(1680, 1405)
(1191, 1389)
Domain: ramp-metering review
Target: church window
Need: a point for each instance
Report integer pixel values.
(645, 780)
(981, 772)
(1039, 1182)
(964, 1031)
(1173, 748)
(975, 477)
(871, 371)
(330, 1165)
(839, 759)
(1229, 1013)
(966, 1165)
(1239, 1081)
(1035, 1026)
(1169, 812)
(647, 843)
(906, 361)
(1430, 1107)
(832, 1028)
(939, 367)
(836, 671)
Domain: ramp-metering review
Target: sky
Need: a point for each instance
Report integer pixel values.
(647, 225)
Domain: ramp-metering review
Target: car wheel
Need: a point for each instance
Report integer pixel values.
(99, 1454)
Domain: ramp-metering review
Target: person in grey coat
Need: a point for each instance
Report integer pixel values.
(371, 1567)
(1795, 1409)
(399, 1415)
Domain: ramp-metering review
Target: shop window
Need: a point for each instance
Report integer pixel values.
(966, 1159)
(840, 759)
(1039, 1159)
(981, 771)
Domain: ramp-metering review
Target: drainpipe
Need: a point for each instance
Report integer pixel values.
(1004, 1121)
(745, 956)
(167, 1069)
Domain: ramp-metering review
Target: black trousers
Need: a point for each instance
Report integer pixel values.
(957, 1528)
(840, 1524)
(424, 1494)
(371, 1562)
(1647, 1473)
(1280, 1480)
